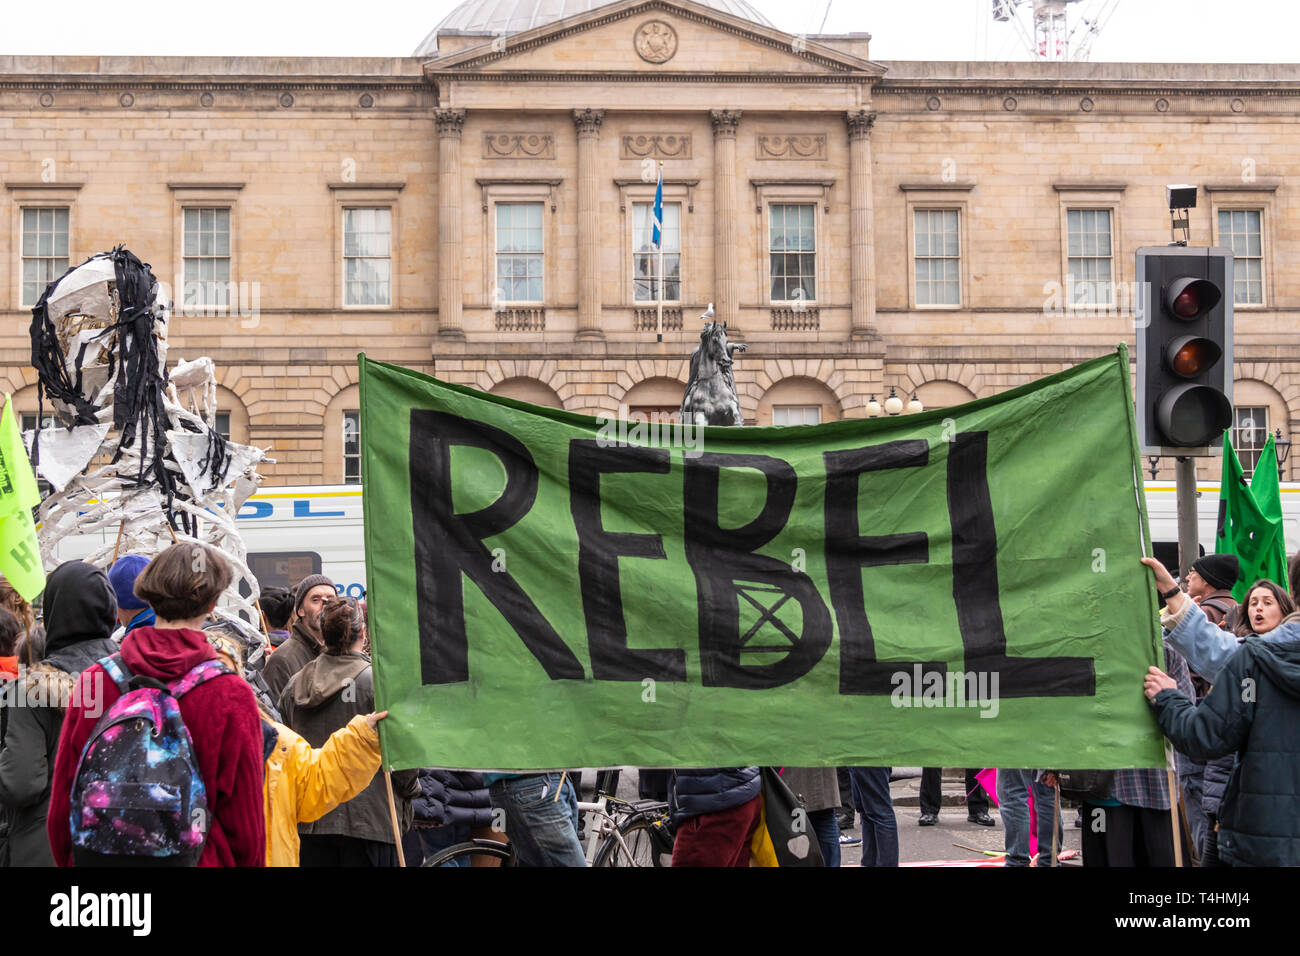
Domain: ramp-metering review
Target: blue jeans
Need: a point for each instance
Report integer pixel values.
(827, 829)
(879, 826)
(543, 830)
(1013, 804)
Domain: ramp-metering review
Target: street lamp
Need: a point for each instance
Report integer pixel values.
(873, 408)
(893, 404)
(1153, 465)
(1282, 446)
(914, 406)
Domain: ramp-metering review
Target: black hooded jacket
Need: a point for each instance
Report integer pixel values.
(1252, 711)
(80, 614)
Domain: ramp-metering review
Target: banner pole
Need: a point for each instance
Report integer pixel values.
(1173, 807)
(392, 815)
(660, 326)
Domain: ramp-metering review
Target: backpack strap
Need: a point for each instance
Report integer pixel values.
(198, 674)
(117, 672)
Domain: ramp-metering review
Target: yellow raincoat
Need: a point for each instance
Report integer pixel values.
(302, 784)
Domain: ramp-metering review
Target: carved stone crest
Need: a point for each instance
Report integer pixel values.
(655, 41)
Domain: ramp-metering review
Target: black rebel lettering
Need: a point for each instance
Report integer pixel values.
(848, 552)
(598, 554)
(448, 545)
(728, 571)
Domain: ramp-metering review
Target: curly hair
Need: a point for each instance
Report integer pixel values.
(341, 624)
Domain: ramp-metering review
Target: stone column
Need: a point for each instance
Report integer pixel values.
(725, 253)
(588, 123)
(862, 245)
(451, 286)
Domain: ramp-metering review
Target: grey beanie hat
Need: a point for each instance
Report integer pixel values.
(304, 588)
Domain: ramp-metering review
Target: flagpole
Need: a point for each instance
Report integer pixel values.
(660, 326)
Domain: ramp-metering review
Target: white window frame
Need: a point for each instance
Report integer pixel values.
(1108, 196)
(351, 415)
(181, 292)
(768, 251)
(913, 258)
(1262, 210)
(390, 208)
(638, 237)
(495, 291)
(1240, 415)
(1098, 302)
(803, 410)
(493, 191)
(38, 208)
(785, 192)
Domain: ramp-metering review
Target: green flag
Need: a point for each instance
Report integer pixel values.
(20, 552)
(1250, 519)
(959, 587)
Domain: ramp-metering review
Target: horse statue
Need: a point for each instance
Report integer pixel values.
(710, 397)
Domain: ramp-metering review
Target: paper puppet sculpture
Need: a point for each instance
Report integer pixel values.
(710, 397)
(132, 454)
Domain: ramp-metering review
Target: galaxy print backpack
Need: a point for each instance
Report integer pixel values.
(138, 791)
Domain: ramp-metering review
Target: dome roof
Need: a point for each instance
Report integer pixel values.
(503, 17)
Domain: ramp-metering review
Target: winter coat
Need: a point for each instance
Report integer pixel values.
(223, 723)
(289, 658)
(322, 697)
(80, 614)
(303, 784)
(693, 792)
(1253, 710)
(456, 798)
(817, 787)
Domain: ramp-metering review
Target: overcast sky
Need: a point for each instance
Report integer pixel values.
(1250, 31)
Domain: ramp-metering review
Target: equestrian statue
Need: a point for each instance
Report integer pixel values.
(710, 397)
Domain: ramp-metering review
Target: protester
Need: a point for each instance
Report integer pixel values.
(80, 614)
(1252, 710)
(182, 585)
(277, 606)
(1014, 788)
(1210, 583)
(541, 817)
(304, 641)
(302, 784)
(872, 799)
(131, 611)
(716, 812)
(844, 819)
(11, 632)
(977, 801)
(326, 695)
(452, 805)
(819, 789)
(31, 642)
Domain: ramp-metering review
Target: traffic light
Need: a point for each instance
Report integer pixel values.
(1184, 349)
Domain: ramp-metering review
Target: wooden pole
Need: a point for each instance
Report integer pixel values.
(392, 815)
(118, 543)
(1173, 806)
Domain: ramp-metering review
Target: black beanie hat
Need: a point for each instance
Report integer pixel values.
(305, 585)
(1220, 571)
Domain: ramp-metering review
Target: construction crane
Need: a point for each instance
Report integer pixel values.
(1056, 29)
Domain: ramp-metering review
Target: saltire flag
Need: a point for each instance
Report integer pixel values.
(656, 229)
(20, 551)
(1250, 519)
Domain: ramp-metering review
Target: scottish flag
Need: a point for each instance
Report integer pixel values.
(656, 232)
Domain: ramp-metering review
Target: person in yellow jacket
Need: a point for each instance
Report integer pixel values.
(301, 783)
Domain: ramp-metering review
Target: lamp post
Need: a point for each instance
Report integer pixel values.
(873, 408)
(1282, 446)
(893, 404)
(1153, 465)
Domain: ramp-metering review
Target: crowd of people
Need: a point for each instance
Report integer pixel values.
(139, 727)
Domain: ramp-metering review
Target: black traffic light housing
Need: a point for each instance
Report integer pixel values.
(1184, 349)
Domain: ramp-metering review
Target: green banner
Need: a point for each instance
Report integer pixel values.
(1250, 519)
(954, 588)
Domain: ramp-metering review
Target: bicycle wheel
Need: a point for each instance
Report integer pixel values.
(472, 849)
(646, 842)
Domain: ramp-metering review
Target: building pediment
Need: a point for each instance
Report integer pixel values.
(672, 39)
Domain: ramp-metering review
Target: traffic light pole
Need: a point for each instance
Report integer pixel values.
(1188, 544)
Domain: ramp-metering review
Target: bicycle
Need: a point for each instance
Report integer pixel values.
(619, 833)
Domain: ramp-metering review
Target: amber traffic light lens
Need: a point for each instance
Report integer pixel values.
(1191, 359)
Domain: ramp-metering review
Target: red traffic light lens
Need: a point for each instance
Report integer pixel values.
(1187, 304)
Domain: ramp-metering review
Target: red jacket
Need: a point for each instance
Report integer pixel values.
(223, 722)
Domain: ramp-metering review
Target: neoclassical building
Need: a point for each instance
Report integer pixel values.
(480, 210)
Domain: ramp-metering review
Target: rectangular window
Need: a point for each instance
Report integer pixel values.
(207, 257)
(223, 425)
(367, 256)
(519, 252)
(352, 448)
(1249, 433)
(938, 257)
(796, 414)
(1240, 230)
(792, 246)
(645, 261)
(44, 250)
(1090, 280)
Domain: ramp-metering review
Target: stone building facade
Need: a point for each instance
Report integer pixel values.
(478, 211)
